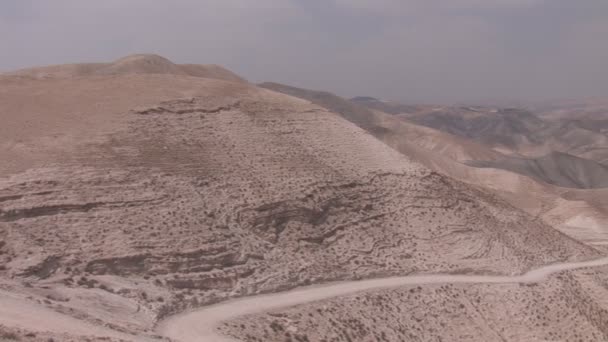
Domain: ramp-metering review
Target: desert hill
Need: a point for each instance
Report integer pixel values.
(529, 188)
(359, 115)
(584, 138)
(147, 192)
(594, 108)
(397, 133)
(505, 128)
(556, 168)
(516, 132)
(571, 306)
(134, 64)
(575, 128)
(384, 106)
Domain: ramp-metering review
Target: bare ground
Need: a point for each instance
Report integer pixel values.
(137, 193)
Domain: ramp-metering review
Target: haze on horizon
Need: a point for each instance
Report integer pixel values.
(440, 51)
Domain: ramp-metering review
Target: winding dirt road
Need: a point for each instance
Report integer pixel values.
(201, 325)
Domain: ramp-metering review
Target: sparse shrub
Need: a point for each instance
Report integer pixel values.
(106, 288)
(9, 336)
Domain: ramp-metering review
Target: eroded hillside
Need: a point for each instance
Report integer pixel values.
(138, 195)
(531, 184)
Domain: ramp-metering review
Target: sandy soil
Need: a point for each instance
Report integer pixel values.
(20, 313)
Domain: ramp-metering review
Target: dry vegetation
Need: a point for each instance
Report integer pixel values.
(571, 306)
(151, 194)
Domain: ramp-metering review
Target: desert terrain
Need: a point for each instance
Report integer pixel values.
(134, 191)
(542, 186)
(570, 306)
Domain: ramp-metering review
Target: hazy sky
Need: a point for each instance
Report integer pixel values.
(408, 50)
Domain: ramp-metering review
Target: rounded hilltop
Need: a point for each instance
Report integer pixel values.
(142, 64)
(132, 64)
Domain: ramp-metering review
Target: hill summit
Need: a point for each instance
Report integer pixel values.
(132, 64)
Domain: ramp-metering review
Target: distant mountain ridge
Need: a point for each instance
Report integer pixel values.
(514, 131)
(555, 168)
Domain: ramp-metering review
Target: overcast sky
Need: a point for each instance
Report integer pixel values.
(406, 50)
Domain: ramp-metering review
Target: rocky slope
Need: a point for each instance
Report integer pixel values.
(520, 182)
(581, 132)
(132, 195)
(571, 306)
(505, 128)
(556, 168)
(359, 115)
(399, 134)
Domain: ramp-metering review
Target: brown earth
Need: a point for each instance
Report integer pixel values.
(570, 306)
(136, 189)
(526, 183)
(556, 168)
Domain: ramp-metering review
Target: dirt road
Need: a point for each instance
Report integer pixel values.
(200, 325)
